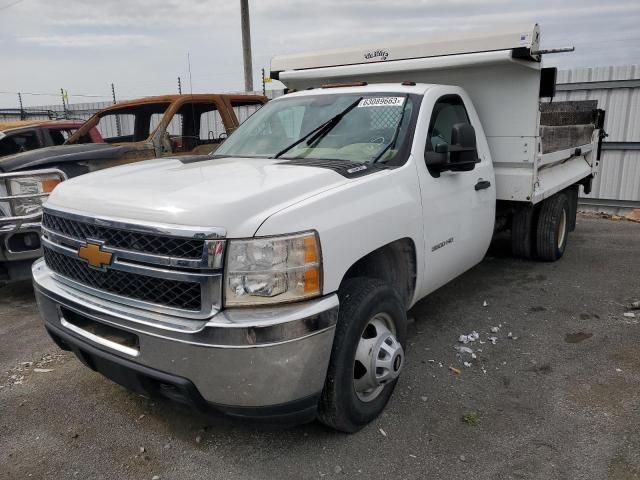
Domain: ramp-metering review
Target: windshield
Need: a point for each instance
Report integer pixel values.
(370, 127)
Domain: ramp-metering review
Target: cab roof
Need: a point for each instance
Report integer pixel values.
(15, 124)
(235, 97)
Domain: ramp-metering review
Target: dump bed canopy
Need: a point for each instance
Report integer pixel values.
(525, 39)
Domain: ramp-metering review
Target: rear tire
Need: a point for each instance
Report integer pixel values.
(363, 301)
(522, 235)
(553, 228)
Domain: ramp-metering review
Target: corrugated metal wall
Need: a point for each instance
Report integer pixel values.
(617, 90)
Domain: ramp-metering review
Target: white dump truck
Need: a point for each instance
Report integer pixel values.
(272, 279)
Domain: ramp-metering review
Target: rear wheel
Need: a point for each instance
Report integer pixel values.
(553, 228)
(522, 235)
(367, 355)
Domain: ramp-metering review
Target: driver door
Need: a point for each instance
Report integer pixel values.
(458, 207)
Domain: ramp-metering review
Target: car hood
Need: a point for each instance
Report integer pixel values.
(237, 194)
(61, 154)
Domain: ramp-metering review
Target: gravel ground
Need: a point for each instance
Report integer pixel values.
(560, 401)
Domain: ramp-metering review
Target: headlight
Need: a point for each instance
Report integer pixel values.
(38, 185)
(272, 270)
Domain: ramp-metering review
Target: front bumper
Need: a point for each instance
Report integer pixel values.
(265, 363)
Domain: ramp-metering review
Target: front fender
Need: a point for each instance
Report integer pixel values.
(357, 218)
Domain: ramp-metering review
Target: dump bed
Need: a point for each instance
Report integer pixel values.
(535, 147)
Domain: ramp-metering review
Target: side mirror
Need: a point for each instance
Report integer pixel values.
(459, 156)
(463, 154)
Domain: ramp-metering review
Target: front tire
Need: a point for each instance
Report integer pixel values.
(367, 354)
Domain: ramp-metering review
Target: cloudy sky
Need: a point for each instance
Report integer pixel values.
(141, 45)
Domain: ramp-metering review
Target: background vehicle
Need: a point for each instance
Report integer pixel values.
(24, 135)
(21, 198)
(141, 129)
(272, 279)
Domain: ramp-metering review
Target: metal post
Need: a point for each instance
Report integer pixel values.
(246, 45)
(179, 86)
(113, 95)
(264, 87)
(64, 104)
(23, 115)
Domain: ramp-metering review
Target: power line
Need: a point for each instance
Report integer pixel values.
(55, 94)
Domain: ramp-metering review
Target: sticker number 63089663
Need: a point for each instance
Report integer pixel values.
(382, 102)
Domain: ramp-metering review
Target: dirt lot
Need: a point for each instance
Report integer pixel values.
(560, 401)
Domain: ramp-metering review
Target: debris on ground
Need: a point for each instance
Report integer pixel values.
(384, 434)
(494, 329)
(43, 370)
(471, 418)
(455, 370)
(634, 305)
(485, 304)
(464, 349)
(472, 337)
(493, 340)
(463, 458)
(337, 469)
(467, 364)
(629, 315)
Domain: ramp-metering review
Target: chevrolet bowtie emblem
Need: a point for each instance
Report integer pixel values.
(94, 255)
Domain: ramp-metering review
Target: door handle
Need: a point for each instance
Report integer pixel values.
(482, 184)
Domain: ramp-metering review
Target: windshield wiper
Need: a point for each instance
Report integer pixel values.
(320, 131)
(392, 143)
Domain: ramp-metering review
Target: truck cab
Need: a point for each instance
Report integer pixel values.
(272, 278)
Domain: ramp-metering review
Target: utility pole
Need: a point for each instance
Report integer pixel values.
(179, 86)
(64, 103)
(246, 45)
(22, 113)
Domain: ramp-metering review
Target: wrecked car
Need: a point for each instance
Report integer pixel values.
(23, 135)
(141, 129)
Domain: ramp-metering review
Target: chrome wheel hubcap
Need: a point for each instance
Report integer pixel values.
(379, 358)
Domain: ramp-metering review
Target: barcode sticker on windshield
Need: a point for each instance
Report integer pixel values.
(382, 102)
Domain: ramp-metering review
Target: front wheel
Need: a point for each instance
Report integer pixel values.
(367, 355)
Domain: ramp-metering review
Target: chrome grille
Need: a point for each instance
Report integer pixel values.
(172, 293)
(163, 268)
(125, 239)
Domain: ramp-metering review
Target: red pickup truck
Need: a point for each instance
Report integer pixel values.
(23, 135)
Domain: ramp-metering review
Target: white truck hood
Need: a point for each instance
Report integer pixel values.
(237, 194)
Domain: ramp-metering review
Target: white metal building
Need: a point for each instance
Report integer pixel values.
(617, 90)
